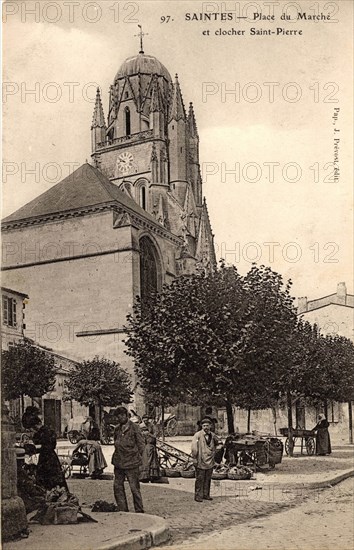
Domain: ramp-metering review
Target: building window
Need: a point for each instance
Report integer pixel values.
(143, 197)
(148, 269)
(127, 122)
(9, 311)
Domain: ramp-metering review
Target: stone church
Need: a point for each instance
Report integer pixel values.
(122, 226)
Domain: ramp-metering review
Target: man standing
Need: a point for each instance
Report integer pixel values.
(204, 444)
(129, 447)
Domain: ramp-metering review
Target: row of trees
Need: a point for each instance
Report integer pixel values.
(28, 370)
(229, 339)
(222, 339)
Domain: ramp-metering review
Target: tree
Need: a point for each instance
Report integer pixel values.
(99, 382)
(27, 370)
(183, 339)
(267, 332)
(213, 338)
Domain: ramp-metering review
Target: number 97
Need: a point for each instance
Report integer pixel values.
(165, 18)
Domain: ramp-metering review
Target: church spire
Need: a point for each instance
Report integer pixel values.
(205, 252)
(192, 122)
(98, 120)
(177, 110)
(98, 126)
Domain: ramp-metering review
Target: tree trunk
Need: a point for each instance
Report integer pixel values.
(290, 423)
(163, 420)
(99, 423)
(274, 411)
(249, 420)
(230, 417)
(325, 406)
(350, 414)
(22, 404)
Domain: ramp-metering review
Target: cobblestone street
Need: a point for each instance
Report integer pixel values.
(324, 521)
(186, 517)
(250, 506)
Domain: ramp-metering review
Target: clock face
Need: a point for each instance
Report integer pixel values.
(124, 163)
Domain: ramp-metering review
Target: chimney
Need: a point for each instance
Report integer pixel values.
(341, 293)
(302, 304)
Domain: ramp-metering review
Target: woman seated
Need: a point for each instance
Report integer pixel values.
(96, 460)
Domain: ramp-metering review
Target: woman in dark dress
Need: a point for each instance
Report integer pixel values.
(150, 469)
(323, 441)
(49, 473)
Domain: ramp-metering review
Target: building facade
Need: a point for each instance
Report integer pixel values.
(118, 228)
(334, 315)
(56, 412)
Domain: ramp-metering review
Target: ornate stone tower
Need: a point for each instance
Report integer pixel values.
(149, 148)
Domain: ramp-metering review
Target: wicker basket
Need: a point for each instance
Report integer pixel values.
(170, 472)
(188, 473)
(238, 476)
(219, 475)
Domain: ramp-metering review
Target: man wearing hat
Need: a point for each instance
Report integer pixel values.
(204, 445)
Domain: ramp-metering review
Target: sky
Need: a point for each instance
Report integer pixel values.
(268, 107)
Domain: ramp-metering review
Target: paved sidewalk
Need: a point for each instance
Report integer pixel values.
(172, 508)
(114, 531)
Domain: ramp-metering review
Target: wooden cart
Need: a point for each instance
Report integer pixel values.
(260, 453)
(302, 438)
(170, 457)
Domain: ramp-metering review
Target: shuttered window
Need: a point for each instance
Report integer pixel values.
(9, 311)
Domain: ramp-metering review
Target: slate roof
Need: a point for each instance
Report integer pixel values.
(85, 187)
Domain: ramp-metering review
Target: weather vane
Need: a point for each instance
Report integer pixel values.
(141, 34)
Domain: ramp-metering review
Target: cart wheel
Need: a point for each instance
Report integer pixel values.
(310, 446)
(172, 427)
(167, 461)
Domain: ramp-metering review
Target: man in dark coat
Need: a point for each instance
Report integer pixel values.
(127, 459)
(323, 441)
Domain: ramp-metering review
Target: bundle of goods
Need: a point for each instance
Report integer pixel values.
(239, 472)
(188, 470)
(104, 506)
(60, 507)
(172, 472)
(220, 471)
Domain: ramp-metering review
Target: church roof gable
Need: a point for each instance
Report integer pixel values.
(85, 187)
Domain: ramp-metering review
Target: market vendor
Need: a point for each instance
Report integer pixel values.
(323, 441)
(204, 446)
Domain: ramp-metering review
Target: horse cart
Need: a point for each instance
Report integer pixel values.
(302, 438)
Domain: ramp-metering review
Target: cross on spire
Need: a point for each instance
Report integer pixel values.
(141, 34)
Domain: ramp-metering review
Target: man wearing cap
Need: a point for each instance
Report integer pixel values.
(204, 444)
(127, 458)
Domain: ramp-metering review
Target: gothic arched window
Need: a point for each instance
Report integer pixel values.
(143, 197)
(127, 122)
(149, 272)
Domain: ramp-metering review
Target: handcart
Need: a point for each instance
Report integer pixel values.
(170, 457)
(302, 438)
(258, 452)
(78, 460)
